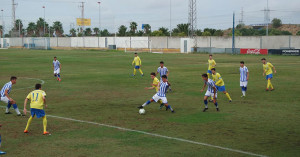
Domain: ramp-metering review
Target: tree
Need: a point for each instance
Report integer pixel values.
(183, 28)
(105, 33)
(206, 33)
(218, 33)
(133, 27)
(165, 31)
(298, 33)
(198, 32)
(157, 33)
(73, 32)
(1, 31)
(58, 28)
(96, 31)
(31, 29)
(240, 26)
(276, 23)
(40, 25)
(147, 29)
(88, 32)
(140, 33)
(19, 24)
(122, 30)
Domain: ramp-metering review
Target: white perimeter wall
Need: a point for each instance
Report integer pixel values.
(270, 42)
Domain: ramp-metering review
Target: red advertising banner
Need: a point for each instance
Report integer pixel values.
(255, 51)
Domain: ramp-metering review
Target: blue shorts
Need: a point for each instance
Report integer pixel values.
(269, 76)
(209, 72)
(137, 67)
(221, 88)
(38, 112)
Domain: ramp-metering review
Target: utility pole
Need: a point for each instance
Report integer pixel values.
(99, 19)
(44, 20)
(267, 17)
(193, 21)
(82, 17)
(14, 14)
(241, 21)
(2, 35)
(233, 34)
(170, 18)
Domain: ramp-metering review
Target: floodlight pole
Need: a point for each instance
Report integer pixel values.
(170, 18)
(44, 20)
(233, 33)
(99, 19)
(268, 18)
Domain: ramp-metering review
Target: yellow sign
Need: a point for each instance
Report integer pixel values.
(83, 22)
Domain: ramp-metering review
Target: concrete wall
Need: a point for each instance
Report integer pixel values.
(270, 42)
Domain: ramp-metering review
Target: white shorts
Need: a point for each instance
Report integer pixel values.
(163, 99)
(208, 93)
(243, 84)
(57, 71)
(5, 100)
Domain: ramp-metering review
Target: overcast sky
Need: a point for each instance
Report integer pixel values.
(211, 13)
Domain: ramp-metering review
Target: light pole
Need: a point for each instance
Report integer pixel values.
(44, 20)
(99, 19)
(170, 18)
(2, 24)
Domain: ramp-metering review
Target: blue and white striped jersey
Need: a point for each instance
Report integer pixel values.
(243, 74)
(56, 64)
(162, 71)
(163, 89)
(7, 86)
(210, 85)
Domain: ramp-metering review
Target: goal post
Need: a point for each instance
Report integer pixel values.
(138, 45)
(38, 43)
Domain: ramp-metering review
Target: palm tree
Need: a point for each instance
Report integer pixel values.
(19, 24)
(41, 24)
(122, 30)
(88, 32)
(73, 32)
(133, 27)
(105, 33)
(183, 28)
(164, 30)
(1, 31)
(147, 29)
(96, 31)
(58, 28)
(31, 29)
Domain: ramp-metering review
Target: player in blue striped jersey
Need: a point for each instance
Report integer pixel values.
(162, 70)
(161, 94)
(211, 91)
(4, 96)
(244, 76)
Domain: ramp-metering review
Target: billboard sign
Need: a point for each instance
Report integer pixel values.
(254, 51)
(83, 22)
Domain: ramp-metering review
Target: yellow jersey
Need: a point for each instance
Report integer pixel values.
(137, 61)
(218, 79)
(268, 68)
(37, 99)
(155, 83)
(211, 64)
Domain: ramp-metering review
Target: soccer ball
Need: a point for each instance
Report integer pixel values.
(142, 111)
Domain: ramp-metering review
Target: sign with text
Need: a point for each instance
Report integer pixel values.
(254, 51)
(83, 22)
(292, 52)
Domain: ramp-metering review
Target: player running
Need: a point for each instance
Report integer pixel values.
(211, 64)
(138, 63)
(267, 67)
(38, 100)
(211, 91)
(244, 77)
(220, 85)
(7, 99)
(155, 86)
(56, 68)
(1, 153)
(161, 94)
(162, 70)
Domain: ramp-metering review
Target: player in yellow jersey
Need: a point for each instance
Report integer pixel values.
(220, 85)
(37, 101)
(138, 63)
(267, 67)
(211, 64)
(154, 85)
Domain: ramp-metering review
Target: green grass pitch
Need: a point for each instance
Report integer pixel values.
(98, 87)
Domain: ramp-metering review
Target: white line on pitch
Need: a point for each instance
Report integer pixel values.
(42, 82)
(157, 135)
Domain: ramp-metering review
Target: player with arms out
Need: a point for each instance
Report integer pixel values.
(162, 70)
(155, 86)
(138, 63)
(211, 91)
(267, 67)
(56, 68)
(7, 99)
(1, 152)
(211, 64)
(37, 101)
(161, 94)
(244, 77)
(220, 85)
